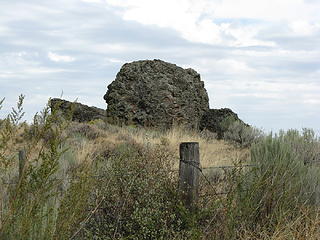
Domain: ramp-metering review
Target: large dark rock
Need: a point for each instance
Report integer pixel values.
(218, 120)
(156, 94)
(77, 111)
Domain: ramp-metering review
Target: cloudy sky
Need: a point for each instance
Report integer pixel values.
(261, 58)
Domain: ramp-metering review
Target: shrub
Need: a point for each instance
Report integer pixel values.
(9, 130)
(306, 145)
(279, 185)
(136, 196)
(242, 134)
(30, 204)
(208, 135)
(31, 197)
(86, 130)
(74, 208)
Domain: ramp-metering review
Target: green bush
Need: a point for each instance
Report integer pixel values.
(86, 130)
(30, 209)
(242, 134)
(9, 129)
(280, 183)
(32, 204)
(137, 197)
(128, 191)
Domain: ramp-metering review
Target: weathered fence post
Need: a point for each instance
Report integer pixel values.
(189, 172)
(22, 162)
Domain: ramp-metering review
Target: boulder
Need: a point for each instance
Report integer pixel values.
(158, 94)
(77, 111)
(218, 121)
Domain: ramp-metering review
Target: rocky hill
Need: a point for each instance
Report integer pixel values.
(154, 93)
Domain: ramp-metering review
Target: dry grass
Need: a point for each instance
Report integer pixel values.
(304, 227)
(212, 152)
(89, 145)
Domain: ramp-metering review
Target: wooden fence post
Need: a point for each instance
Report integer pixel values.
(22, 162)
(189, 172)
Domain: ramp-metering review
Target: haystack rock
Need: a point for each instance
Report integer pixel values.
(155, 93)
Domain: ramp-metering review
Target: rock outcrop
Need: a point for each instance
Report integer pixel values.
(218, 120)
(156, 94)
(77, 111)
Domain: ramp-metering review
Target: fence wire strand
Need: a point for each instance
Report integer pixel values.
(230, 166)
(192, 163)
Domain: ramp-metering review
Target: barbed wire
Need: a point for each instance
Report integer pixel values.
(230, 166)
(109, 175)
(64, 178)
(71, 178)
(192, 163)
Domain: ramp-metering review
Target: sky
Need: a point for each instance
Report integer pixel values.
(261, 58)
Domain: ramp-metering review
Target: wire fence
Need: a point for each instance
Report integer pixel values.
(201, 169)
(61, 179)
(72, 178)
(204, 173)
(102, 176)
(230, 166)
(105, 176)
(240, 166)
(210, 182)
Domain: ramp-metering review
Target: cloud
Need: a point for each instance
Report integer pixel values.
(304, 28)
(260, 58)
(195, 20)
(270, 11)
(212, 21)
(60, 58)
(92, 1)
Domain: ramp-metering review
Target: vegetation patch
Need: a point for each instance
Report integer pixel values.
(99, 181)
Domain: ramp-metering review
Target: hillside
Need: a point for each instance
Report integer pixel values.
(96, 180)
